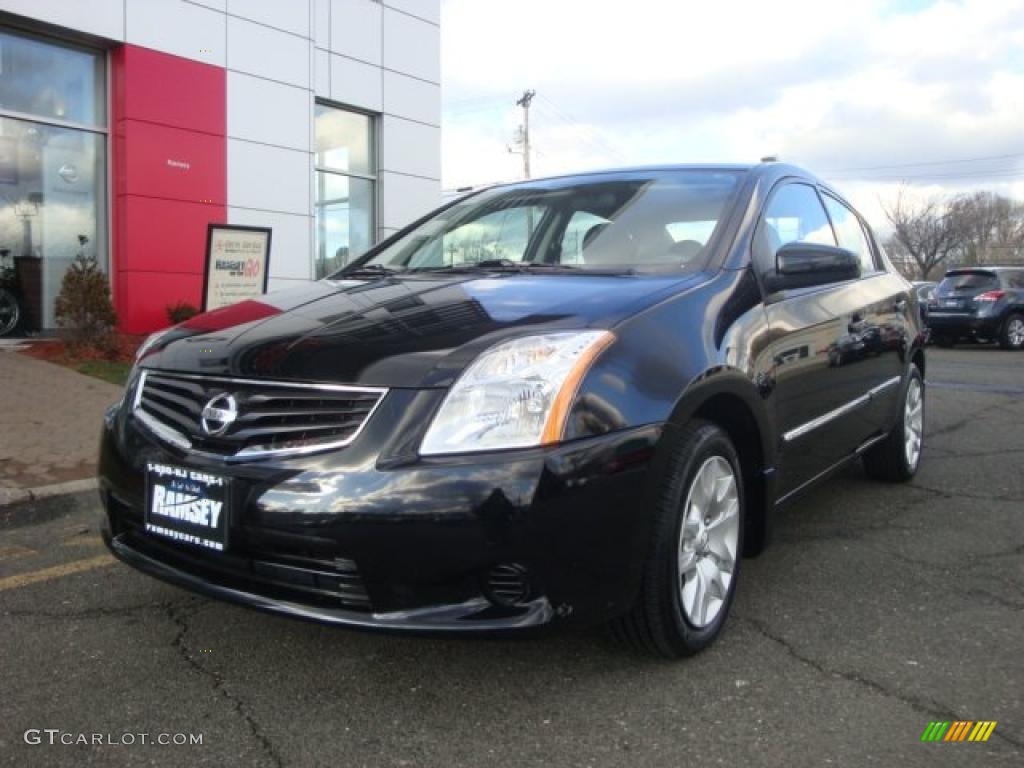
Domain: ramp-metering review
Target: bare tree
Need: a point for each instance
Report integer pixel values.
(991, 228)
(925, 234)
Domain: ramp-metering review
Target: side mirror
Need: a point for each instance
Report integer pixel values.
(802, 265)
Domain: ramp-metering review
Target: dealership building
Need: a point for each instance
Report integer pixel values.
(127, 127)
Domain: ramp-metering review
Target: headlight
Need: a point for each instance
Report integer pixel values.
(515, 395)
(151, 341)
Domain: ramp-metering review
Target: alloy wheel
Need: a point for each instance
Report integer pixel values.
(708, 540)
(1015, 332)
(913, 423)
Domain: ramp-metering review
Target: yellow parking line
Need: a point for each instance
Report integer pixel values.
(81, 541)
(13, 552)
(76, 566)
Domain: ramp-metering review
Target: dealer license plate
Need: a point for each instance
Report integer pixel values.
(187, 506)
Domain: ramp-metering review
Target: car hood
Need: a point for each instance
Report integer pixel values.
(403, 331)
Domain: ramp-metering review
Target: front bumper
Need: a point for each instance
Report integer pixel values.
(341, 539)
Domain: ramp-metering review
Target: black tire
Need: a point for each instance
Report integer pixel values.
(10, 312)
(657, 623)
(1009, 337)
(887, 460)
(944, 341)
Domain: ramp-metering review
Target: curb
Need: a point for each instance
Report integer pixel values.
(18, 495)
(28, 506)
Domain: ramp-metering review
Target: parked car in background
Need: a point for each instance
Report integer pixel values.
(982, 304)
(576, 399)
(925, 290)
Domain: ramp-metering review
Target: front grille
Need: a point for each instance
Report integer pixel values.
(266, 418)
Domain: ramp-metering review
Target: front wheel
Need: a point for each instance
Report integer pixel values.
(690, 575)
(10, 312)
(1012, 334)
(897, 457)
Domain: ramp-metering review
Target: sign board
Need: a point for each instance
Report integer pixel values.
(237, 264)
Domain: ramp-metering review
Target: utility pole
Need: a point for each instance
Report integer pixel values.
(524, 132)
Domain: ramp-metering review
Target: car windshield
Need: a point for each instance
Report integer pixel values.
(967, 282)
(658, 222)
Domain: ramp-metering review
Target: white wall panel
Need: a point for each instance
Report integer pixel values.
(292, 16)
(356, 29)
(177, 27)
(266, 111)
(291, 253)
(269, 178)
(322, 73)
(425, 9)
(217, 5)
(408, 147)
(411, 46)
(322, 23)
(99, 17)
(267, 52)
(412, 98)
(355, 83)
(403, 199)
(284, 284)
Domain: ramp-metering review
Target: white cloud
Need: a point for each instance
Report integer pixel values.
(828, 85)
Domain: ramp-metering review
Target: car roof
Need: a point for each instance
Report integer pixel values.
(773, 169)
(982, 268)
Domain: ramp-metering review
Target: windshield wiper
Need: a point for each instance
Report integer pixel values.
(376, 270)
(500, 265)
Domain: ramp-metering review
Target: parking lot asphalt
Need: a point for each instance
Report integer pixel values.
(876, 610)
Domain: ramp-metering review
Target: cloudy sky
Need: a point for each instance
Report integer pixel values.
(868, 93)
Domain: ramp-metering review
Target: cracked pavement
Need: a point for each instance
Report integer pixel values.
(876, 610)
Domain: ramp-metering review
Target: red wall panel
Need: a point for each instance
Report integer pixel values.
(143, 297)
(154, 231)
(165, 89)
(174, 163)
(170, 179)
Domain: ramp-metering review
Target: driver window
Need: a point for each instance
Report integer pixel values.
(794, 215)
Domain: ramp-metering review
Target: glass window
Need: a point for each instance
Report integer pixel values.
(617, 224)
(1015, 279)
(967, 282)
(850, 233)
(581, 231)
(57, 82)
(52, 175)
(504, 234)
(344, 140)
(794, 215)
(345, 187)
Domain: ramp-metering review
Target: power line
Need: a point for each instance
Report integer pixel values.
(1000, 174)
(926, 162)
(573, 122)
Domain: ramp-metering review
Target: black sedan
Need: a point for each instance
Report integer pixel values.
(576, 399)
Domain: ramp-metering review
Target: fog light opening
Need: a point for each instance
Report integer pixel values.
(508, 584)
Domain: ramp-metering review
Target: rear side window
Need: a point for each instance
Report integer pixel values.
(967, 283)
(850, 233)
(794, 214)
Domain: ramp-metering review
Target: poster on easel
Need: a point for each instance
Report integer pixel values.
(237, 264)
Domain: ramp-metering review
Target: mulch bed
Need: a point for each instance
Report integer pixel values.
(56, 351)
